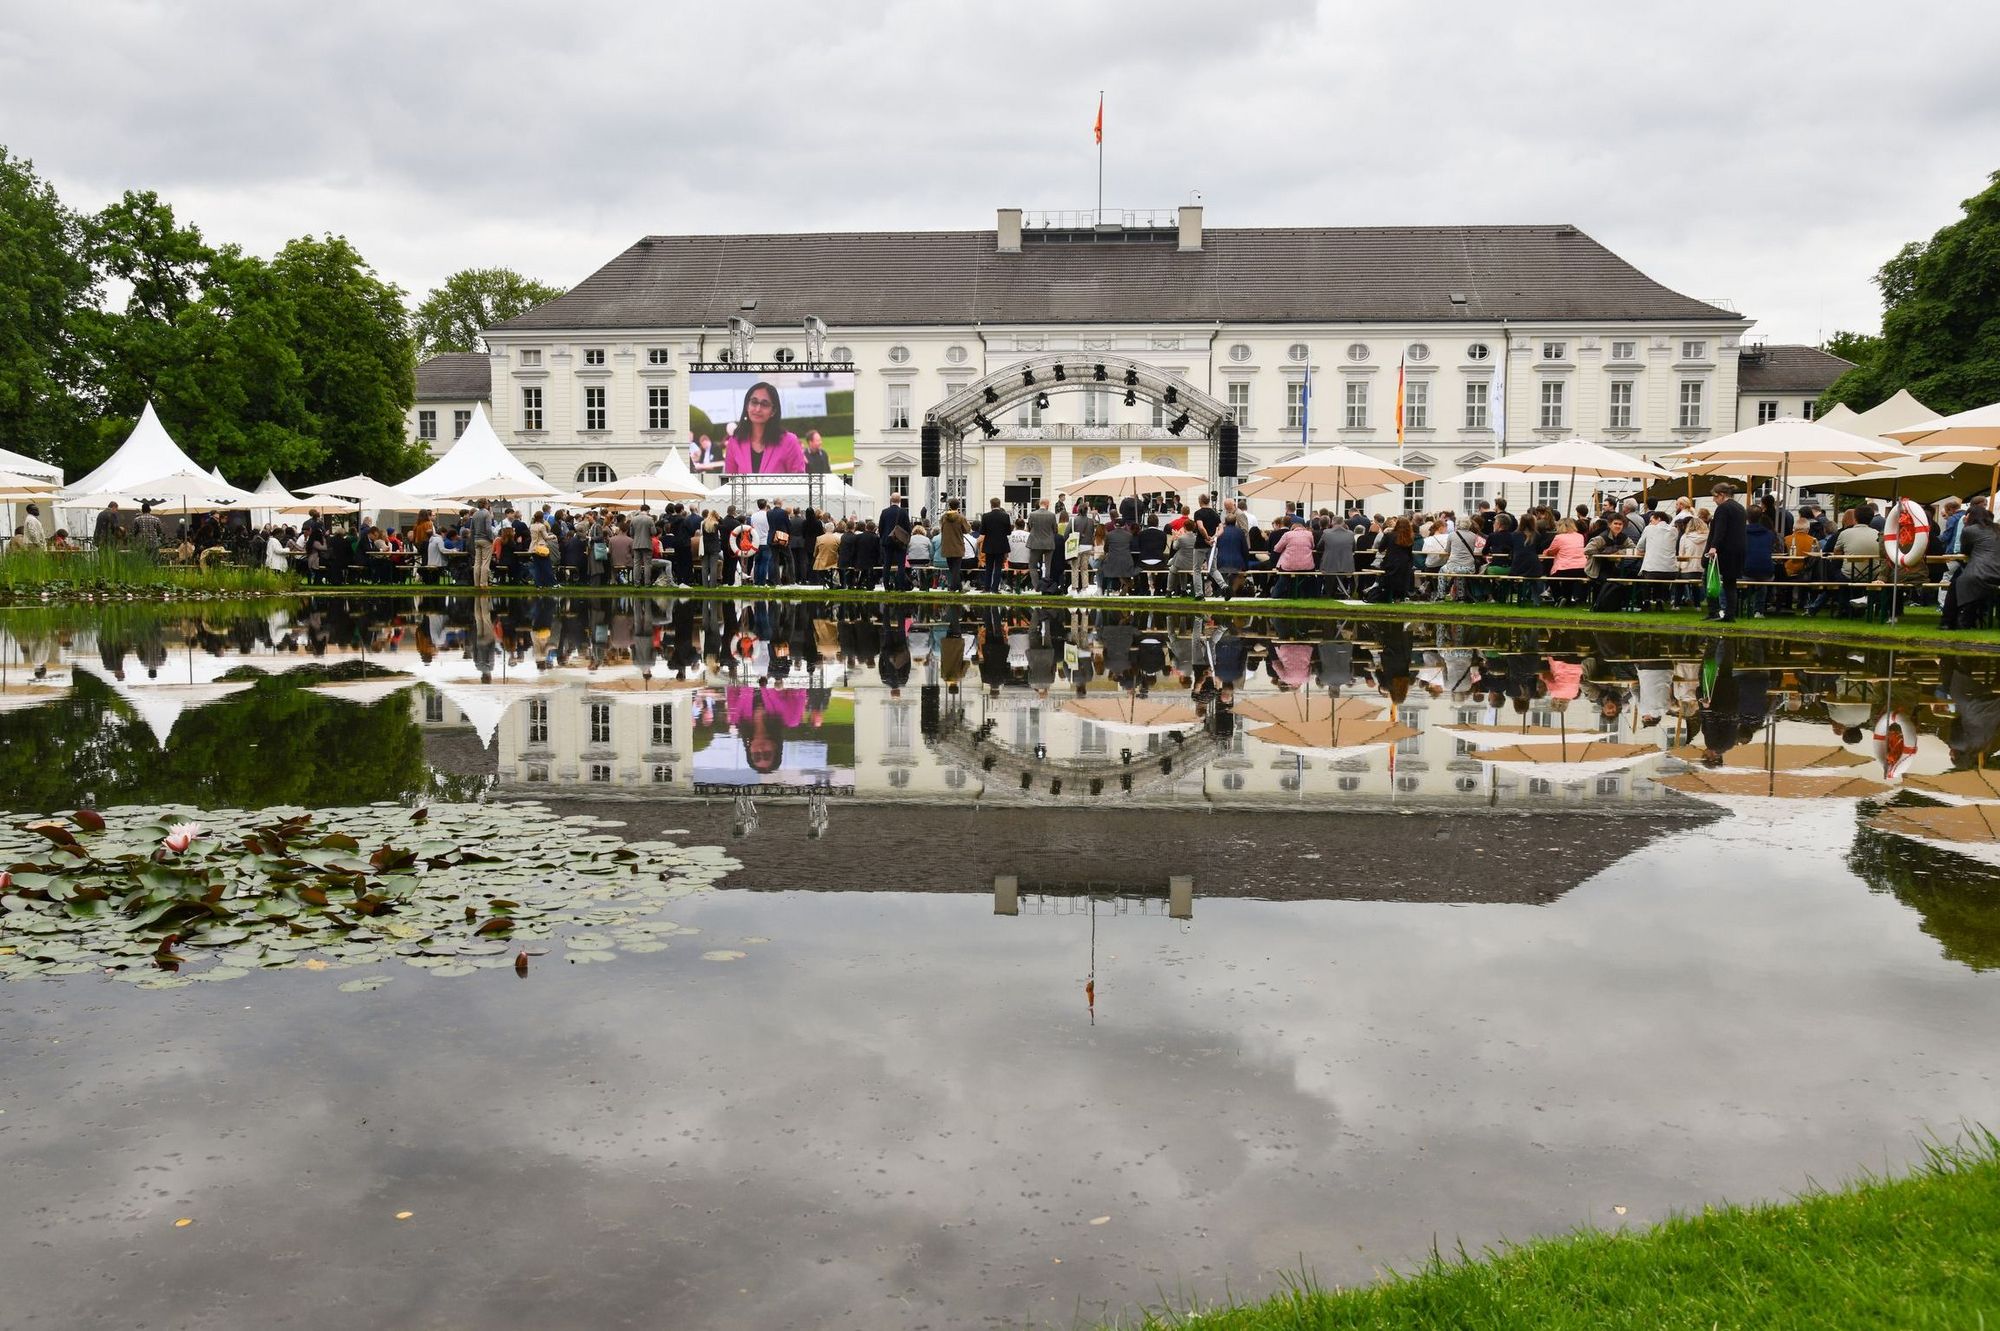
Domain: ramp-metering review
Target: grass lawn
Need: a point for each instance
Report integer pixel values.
(1916, 1252)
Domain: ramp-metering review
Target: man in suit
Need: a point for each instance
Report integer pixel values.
(1726, 545)
(778, 527)
(894, 519)
(996, 530)
(479, 535)
(1044, 540)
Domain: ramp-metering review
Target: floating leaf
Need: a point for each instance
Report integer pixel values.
(723, 954)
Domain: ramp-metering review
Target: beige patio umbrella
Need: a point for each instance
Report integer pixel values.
(1979, 785)
(1331, 473)
(1579, 457)
(1977, 428)
(1322, 725)
(1129, 712)
(1957, 822)
(367, 492)
(660, 486)
(1136, 478)
(1569, 758)
(504, 487)
(1775, 785)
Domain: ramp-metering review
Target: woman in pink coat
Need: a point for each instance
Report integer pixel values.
(1294, 550)
(762, 445)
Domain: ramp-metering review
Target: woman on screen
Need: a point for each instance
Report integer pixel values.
(818, 461)
(705, 456)
(761, 444)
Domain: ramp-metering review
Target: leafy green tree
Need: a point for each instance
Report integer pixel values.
(45, 280)
(1941, 318)
(454, 316)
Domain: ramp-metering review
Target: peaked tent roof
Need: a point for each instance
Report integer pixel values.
(23, 465)
(477, 456)
(1899, 413)
(271, 498)
(148, 452)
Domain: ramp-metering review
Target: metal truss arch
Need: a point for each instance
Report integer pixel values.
(987, 398)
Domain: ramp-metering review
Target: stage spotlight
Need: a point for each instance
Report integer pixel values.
(1097, 373)
(1061, 374)
(1041, 401)
(1173, 395)
(1131, 378)
(1027, 376)
(991, 396)
(1131, 397)
(1179, 423)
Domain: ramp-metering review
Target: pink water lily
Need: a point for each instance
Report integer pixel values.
(180, 836)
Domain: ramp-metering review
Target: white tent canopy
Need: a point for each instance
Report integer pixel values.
(1900, 412)
(23, 465)
(148, 452)
(272, 499)
(477, 457)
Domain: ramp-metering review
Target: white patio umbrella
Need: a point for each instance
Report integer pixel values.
(1579, 457)
(1338, 473)
(661, 486)
(367, 492)
(1977, 428)
(183, 492)
(504, 487)
(1135, 478)
(13, 485)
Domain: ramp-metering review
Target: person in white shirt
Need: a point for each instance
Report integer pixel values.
(275, 553)
(32, 535)
(1659, 562)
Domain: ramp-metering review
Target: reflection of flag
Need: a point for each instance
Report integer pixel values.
(1098, 129)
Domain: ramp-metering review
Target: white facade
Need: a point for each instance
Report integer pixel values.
(438, 424)
(1646, 388)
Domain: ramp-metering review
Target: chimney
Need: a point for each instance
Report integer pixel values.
(1010, 230)
(1190, 226)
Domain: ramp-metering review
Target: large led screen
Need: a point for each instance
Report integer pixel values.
(770, 422)
(767, 739)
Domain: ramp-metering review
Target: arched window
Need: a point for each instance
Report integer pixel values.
(594, 473)
(1095, 463)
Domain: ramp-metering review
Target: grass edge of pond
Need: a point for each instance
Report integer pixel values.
(1914, 1251)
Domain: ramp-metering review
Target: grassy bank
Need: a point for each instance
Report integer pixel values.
(1916, 1252)
(33, 575)
(1917, 627)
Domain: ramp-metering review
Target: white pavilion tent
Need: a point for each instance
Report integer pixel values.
(476, 457)
(273, 500)
(148, 453)
(22, 465)
(1899, 412)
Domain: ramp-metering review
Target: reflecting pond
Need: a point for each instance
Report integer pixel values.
(1022, 965)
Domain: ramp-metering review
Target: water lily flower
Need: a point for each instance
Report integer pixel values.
(180, 836)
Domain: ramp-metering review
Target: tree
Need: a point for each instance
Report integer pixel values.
(1941, 319)
(353, 342)
(45, 281)
(454, 316)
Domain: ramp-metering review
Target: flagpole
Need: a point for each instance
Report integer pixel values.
(1099, 219)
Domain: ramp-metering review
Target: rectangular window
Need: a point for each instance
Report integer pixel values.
(531, 408)
(1621, 405)
(593, 408)
(663, 725)
(538, 721)
(1357, 405)
(1239, 401)
(459, 420)
(1295, 406)
(1690, 404)
(434, 707)
(1552, 404)
(1029, 417)
(1807, 408)
(1547, 493)
(1555, 351)
(899, 484)
(1476, 404)
(1413, 497)
(427, 425)
(530, 357)
(1096, 407)
(1160, 416)
(657, 415)
(538, 771)
(1472, 492)
(1624, 351)
(656, 355)
(1694, 351)
(1417, 404)
(899, 407)
(600, 772)
(600, 722)
(1091, 739)
(1767, 411)
(663, 775)
(593, 355)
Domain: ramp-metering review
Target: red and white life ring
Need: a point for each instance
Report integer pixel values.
(1906, 535)
(1895, 743)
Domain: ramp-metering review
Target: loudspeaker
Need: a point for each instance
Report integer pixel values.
(1225, 453)
(933, 441)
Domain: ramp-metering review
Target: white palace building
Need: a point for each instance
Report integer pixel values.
(1578, 341)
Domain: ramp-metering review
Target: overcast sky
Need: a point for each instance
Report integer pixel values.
(1769, 155)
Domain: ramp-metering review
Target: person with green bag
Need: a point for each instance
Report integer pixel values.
(1728, 542)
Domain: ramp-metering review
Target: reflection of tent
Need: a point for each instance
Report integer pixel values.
(478, 455)
(485, 706)
(1953, 822)
(1774, 785)
(1755, 757)
(16, 697)
(1956, 895)
(365, 692)
(160, 705)
(1129, 712)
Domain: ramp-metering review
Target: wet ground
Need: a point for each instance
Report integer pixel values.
(1388, 1016)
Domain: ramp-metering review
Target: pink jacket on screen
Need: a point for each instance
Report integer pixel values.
(786, 456)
